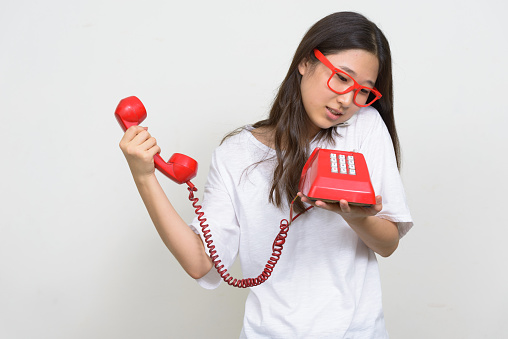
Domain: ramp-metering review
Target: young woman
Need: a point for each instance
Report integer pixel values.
(337, 94)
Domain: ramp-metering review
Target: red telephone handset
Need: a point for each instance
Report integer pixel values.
(179, 168)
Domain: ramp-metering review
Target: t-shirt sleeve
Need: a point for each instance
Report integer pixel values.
(223, 225)
(378, 150)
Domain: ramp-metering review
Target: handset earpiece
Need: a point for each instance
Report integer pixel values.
(129, 112)
(180, 168)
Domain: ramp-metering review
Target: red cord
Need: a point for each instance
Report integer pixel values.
(277, 246)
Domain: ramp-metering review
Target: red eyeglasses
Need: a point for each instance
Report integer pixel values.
(341, 83)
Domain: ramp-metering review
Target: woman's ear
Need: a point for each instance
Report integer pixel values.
(303, 66)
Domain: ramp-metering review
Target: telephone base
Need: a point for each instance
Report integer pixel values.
(333, 175)
(336, 201)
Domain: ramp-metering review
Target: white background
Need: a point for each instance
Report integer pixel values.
(79, 257)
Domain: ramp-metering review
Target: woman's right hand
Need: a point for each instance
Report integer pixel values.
(139, 148)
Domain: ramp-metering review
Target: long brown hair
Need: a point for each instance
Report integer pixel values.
(288, 118)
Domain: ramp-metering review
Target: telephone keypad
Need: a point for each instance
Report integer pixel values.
(342, 166)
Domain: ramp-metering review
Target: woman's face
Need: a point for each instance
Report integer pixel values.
(324, 107)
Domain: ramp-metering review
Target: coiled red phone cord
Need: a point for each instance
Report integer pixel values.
(277, 246)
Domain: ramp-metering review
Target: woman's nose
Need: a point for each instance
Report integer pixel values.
(346, 99)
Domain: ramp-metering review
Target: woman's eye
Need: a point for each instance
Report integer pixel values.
(365, 91)
(342, 77)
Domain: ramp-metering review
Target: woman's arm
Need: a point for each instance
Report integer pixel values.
(380, 235)
(139, 149)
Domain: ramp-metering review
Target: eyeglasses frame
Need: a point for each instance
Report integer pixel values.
(356, 86)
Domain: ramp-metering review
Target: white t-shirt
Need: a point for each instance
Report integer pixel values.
(326, 283)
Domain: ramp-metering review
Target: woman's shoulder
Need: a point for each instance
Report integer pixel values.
(368, 116)
(231, 149)
(368, 120)
(239, 149)
(235, 137)
(365, 124)
(245, 137)
(235, 143)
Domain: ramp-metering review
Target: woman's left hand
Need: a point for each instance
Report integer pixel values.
(347, 211)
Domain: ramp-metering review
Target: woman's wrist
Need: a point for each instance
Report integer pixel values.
(356, 220)
(144, 179)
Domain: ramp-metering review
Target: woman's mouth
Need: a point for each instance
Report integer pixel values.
(333, 114)
(334, 111)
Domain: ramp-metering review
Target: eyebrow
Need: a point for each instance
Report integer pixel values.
(353, 73)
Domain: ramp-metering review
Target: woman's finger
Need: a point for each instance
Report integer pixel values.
(152, 151)
(141, 137)
(344, 206)
(149, 143)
